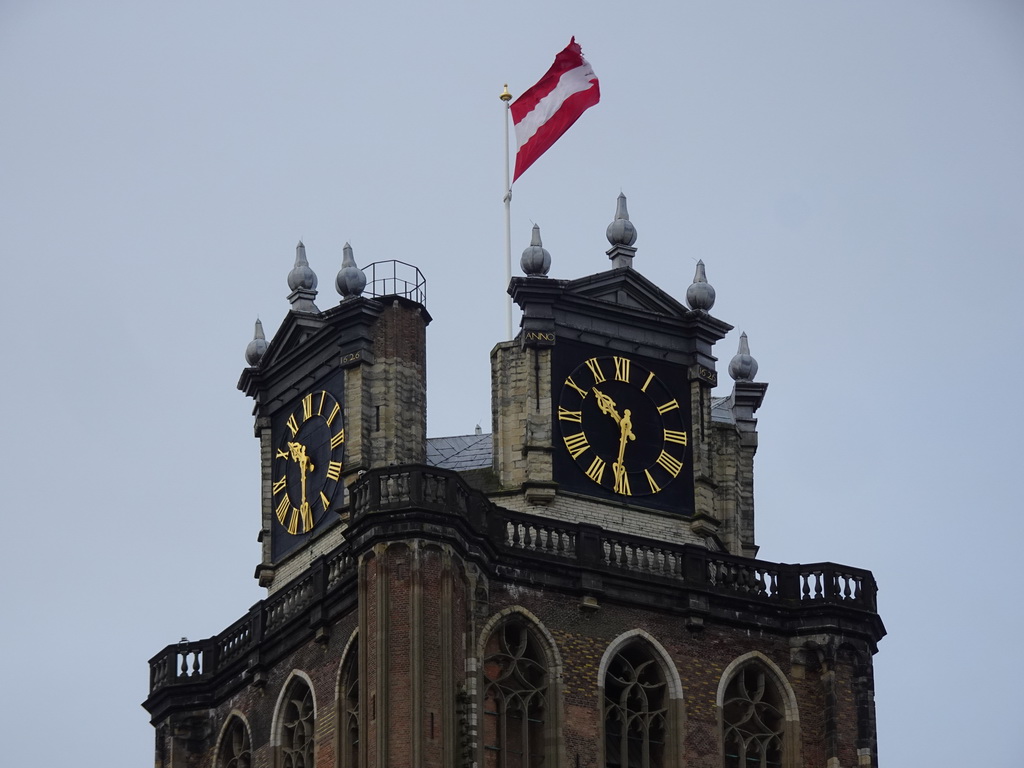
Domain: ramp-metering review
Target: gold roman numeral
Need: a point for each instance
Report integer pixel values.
(622, 369)
(595, 368)
(622, 482)
(334, 413)
(293, 424)
(566, 415)
(324, 501)
(293, 522)
(596, 471)
(307, 406)
(307, 517)
(571, 383)
(339, 438)
(671, 405)
(650, 480)
(671, 436)
(576, 444)
(283, 454)
(282, 509)
(323, 396)
(650, 378)
(280, 485)
(333, 470)
(671, 464)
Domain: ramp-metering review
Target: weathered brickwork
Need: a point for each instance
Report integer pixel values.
(418, 645)
(521, 414)
(395, 408)
(256, 700)
(584, 634)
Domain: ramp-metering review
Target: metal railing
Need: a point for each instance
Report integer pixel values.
(395, 278)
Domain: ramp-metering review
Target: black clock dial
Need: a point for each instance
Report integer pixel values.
(623, 426)
(308, 462)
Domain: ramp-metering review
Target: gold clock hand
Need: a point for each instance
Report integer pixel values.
(607, 405)
(625, 432)
(619, 467)
(300, 457)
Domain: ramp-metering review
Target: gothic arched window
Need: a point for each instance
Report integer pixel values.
(348, 709)
(296, 726)
(753, 720)
(515, 706)
(235, 749)
(635, 709)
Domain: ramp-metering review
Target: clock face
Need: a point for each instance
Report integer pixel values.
(625, 427)
(307, 462)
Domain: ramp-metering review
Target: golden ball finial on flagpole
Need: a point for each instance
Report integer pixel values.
(505, 95)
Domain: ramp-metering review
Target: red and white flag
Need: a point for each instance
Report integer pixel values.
(548, 109)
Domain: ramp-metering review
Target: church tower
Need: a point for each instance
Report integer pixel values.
(579, 588)
(336, 393)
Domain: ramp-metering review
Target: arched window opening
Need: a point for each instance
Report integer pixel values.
(297, 727)
(752, 716)
(635, 710)
(515, 699)
(235, 750)
(350, 709)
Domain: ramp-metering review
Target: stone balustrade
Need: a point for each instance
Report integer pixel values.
(409, 493)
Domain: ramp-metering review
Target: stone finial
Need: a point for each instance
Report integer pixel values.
(743, 367)
(700, 294)
(351, 279)
(302, 281)
(621, 231)
(257, 347)
(536, 260)
(621, 234)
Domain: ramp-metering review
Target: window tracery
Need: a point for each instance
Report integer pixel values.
(349, 709)
(635, 710)
(753, 720)
(515, 699)
(235, 749)
(297, 727)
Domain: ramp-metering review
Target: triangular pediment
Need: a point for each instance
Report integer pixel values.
(295, 331)
(307, 342)
(625, 287)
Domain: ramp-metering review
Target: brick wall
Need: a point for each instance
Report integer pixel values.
(583, 635)
(396, 385)
(424, 617)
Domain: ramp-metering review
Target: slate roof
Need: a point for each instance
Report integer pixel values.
(461, 452)
(721, 410)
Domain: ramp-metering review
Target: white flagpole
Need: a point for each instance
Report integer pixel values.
(507, 98)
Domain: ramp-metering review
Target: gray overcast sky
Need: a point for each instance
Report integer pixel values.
(852, 173)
